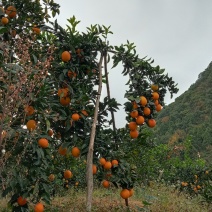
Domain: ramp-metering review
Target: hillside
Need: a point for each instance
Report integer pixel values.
(190, 115)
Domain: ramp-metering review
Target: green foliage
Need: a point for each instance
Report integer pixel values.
(189, 115)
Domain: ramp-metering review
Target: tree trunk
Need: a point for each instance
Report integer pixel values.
(89, 166)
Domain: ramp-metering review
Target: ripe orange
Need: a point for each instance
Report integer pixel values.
(39, 207)
(51, 177)
(11, 11)
(102, 161)
(50, 132)
(154, 87)
(140, 120)
(62, 151)
(131, 192)
(94, 168)
(132, 125)
(106, 184)
(63, 92)
(134, 114)
(184, 184)
(151, 123)
(65, 101)
(21, 201)
(134, 133)
(198, 187)
(67, 174)
(75, 152)
(75, 117)
(115, 162)
(158, 108)
(29, 110)
(156, 102)
(108, 165)
(146, 111)
(84, 112)
(71, 74)
(78, 51)
(31, 125)
(36, 30)
(66, 56)
(125, 194)
(135, 106)
(195, 189)
(143, 100)
(43, 143)
(4, 21)
(155, 95)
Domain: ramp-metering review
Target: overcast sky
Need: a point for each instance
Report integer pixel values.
(177, 34)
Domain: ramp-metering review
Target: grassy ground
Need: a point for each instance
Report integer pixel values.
(159, 198)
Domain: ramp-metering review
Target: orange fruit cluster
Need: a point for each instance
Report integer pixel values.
(142, 112)
(63, 94)
(107, 165)
(184, 184)
(11, 12)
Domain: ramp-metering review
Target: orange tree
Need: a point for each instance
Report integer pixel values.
(78, 81)
(23, 87)
(68, 120)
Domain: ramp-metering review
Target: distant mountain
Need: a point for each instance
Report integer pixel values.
(190, 115)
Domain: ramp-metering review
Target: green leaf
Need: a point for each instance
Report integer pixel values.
(108, 58)
(146, 203)
(35, 59)
(47, 125)
(61, 77)
(3, 29)
(161, 71)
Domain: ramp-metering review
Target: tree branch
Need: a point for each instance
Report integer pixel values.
(108, 90)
